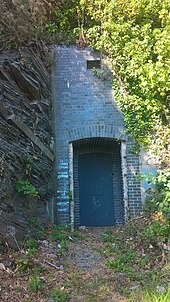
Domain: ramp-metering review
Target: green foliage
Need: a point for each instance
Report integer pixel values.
(24, 264)
(158, 199)
(24, 187)
(59, 232)
(60, 296)
(154, 296)
(100, 73)
(62, 247)
(124, 262)
(162, 193)
(108, 236)
(70, 196)
(31, 246)
(158, 207)
(135, 36)
(77, 234)
(35, 284)
(157, 232)
(37, 229)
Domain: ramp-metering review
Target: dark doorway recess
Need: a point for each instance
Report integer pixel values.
(96, 189)
(98, 185)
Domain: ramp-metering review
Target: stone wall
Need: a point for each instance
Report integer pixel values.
(26, 151)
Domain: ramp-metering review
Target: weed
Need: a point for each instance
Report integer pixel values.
(108, 236)
(23, 265)
(154, 296)
(96, 282)
(31, 246)
(35, 283)
(59, 233)
(60, 296)
(63, 247)
(30, 243)
(18, 289)
(144, 261)
(157, 231)
(37, 229)
(37, 270)
(32, 251)
(24, 187)
(77, 234)
(123, 263)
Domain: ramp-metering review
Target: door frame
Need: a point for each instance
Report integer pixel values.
(71, 182)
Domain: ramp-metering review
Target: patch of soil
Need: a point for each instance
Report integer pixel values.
(90, 278)
(82, 273)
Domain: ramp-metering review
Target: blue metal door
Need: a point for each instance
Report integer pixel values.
(96, 190)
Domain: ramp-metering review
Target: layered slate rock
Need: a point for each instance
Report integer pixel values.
(26, 148)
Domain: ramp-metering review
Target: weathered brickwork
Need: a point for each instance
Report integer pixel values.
(84, 108)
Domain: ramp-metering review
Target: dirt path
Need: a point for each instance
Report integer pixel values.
(88, 276)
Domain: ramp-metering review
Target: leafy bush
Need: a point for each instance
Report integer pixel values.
(158, 207)
(157, 231)
(159, 198)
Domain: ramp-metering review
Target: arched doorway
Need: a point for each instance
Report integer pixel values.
(98, 184)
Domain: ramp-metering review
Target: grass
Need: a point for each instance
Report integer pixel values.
(156, 297)
(35, 284)
(60, 296)
(151, 295)
(129, 254)
(91, 288)
(132, 268)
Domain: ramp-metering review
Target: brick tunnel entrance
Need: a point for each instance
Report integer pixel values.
(98, 184)
(90, 130)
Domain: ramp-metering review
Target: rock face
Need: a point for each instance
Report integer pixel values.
(26, 135)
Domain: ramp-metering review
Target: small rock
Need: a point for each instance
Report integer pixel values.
(134, 287)
(2, 267)
(82, 228)
(61, 267)
(51, 300)
(160, 289)
(45, 243)
(51, 256)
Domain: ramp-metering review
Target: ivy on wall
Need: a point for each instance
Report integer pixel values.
(135, 35)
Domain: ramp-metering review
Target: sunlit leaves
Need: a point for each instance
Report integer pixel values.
(135, 35)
